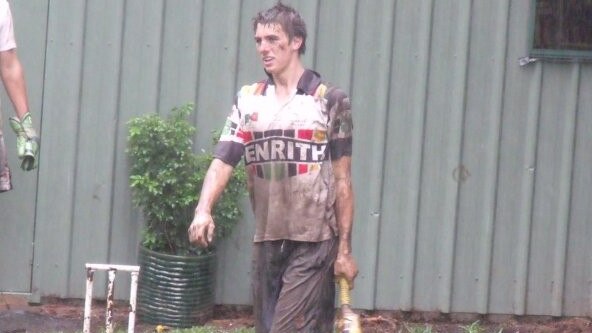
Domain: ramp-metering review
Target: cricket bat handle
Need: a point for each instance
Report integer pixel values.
(349, 321)
(344, 295)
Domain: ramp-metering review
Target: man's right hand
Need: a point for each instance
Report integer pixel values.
(201, 230)
(27, 141)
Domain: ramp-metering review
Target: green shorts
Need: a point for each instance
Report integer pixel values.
(294, 286)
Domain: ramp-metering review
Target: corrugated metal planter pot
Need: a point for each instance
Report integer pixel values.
(176, 291)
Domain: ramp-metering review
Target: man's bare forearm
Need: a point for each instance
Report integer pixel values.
(12, 74)
(215, 181)
(344, 203)
(345, 265)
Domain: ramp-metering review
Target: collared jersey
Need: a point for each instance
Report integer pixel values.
(287, 150)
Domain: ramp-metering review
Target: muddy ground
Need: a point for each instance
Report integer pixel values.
(66, 316)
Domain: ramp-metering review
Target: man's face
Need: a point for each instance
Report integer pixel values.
(275, 48)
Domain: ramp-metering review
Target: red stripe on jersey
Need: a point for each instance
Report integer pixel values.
(302, 168)
(245, 136)
(305, 134)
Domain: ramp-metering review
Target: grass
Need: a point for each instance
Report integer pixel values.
(474, 327)
(207, 329)
(418, 329)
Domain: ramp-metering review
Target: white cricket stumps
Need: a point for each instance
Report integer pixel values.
(112, 269)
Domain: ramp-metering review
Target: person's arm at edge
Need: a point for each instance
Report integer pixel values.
(345, 264)
(201, 230)
(13, 78)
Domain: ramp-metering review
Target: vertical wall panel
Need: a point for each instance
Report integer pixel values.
(180, 53)
(579, 267)
(96, 140)
(217, 66)
(403, 160)
(370, 114)
(527, 191)
(142, 39)
(562, 217)
(335, 42)
(57, 171)
(441, 155)
(138, 94)
(515, 174)
(477, 175)
(552, 183)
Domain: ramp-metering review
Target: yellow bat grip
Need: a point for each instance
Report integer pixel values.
(344, 291)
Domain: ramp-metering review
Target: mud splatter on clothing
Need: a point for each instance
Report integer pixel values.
(287, 149)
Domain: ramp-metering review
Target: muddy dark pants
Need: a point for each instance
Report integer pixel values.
(294, 286)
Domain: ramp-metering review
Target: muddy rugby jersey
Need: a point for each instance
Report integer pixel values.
(287, 150)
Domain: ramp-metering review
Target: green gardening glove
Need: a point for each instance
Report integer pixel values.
(27, 141)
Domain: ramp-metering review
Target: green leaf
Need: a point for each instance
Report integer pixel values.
(166, 177)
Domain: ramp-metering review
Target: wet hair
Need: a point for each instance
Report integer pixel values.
(288, 18)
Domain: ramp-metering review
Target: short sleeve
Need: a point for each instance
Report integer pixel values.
(230, 146)
(341, 124)
(7, 41)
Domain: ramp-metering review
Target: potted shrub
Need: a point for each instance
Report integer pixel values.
(176, 279)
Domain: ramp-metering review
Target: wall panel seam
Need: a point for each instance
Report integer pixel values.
(565, 190)
(40, 124)
(384, 152)
(447, 291)
(161, 56)
(76, 148)
(499, 99)
(528, 191)
(422, 166)
(124, 11)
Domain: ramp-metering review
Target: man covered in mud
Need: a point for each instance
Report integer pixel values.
(295, 135)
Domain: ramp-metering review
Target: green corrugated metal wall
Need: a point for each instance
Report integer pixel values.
(472, 173)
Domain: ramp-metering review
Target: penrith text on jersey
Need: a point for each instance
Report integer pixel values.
(274, 149)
